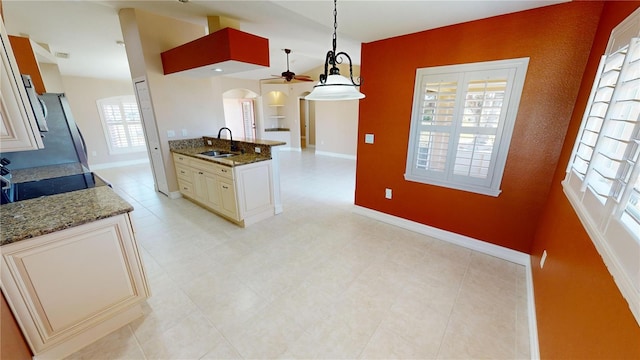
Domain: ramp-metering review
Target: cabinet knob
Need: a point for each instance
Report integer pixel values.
(200, 172)
(224, 187)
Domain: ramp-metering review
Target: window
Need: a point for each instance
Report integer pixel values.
(121, 123)
(461, 124)
(603, 175)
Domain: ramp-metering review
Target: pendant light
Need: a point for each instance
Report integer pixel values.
(332, 85)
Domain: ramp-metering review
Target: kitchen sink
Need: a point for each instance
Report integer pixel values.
(217, 154)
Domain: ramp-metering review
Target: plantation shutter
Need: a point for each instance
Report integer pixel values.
(436, 124)
(122, 124)
(603, 175)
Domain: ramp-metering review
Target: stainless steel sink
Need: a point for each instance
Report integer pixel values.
(217, 154)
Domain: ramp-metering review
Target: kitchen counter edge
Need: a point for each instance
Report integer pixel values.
(30, 218)
(236, 160)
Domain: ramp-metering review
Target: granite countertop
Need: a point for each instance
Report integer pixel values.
(30, 218)
(236, 160)
(46, 172)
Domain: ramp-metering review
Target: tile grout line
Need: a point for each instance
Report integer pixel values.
(455, 301)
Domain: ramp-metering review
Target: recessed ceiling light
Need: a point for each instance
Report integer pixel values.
(62, 55)
(120, 42)
(217, 70)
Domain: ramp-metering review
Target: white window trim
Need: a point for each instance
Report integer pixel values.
(105, 128)
(505, 128)
(613, 241)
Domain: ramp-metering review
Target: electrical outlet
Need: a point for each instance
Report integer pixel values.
(257, 150)
(171, 133)
(185, 132)
(209, 142)
(543, 259)
(387, 193)
(94, 153)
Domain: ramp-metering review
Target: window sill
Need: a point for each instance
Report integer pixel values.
(469, 188)
(609, 255)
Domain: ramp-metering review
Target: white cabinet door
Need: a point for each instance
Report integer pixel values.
(228, 202)
(65, 284)
(255, 193)
(18, 127)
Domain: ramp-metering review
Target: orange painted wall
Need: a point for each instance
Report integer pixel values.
(27, 63)
(556, 38)
(580, 312)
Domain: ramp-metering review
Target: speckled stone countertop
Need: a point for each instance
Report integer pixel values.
(47, 172)
(236, 160)
(30, 218)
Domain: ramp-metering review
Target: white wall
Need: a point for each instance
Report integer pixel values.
(51, 77)
(337, 127)
(82, 93)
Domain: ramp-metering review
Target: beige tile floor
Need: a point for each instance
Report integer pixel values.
(316, 281)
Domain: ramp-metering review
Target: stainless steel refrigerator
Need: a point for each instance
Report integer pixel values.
(63, 142)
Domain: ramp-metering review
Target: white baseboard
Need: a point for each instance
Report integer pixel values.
(337, 155)
(534, 345)
(118, 164)
(175, 195)
(484, 247)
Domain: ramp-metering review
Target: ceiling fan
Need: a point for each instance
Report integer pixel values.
(289, 75)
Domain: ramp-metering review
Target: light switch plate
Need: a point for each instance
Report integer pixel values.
(368, 138)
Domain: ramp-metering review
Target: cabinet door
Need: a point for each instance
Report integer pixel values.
(18, 127)
(199, 185)
(67, 282)
(255, 190)
(213, 194)
(228, 204)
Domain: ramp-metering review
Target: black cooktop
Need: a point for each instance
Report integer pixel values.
(53, 186)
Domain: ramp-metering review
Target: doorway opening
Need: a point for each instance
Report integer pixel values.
(239, 112)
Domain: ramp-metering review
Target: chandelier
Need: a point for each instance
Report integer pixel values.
(332, 85)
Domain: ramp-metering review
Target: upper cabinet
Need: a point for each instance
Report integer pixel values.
(18, 127)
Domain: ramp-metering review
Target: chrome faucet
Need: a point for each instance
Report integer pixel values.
(233, 145)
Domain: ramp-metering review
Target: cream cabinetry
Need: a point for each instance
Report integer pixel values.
(71, 287)
(242, 194)
(18, 127)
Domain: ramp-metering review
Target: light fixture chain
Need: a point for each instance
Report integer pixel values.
(335, 24)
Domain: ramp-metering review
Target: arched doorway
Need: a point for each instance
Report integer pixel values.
(239, 112)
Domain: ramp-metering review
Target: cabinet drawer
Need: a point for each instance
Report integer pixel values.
(184, 173)
(186, 187)
(181, 159)
(224, 171)
(214, 168)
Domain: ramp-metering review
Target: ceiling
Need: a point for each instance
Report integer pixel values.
(88, 30)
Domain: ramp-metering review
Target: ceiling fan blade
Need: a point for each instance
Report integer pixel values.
(303, 78)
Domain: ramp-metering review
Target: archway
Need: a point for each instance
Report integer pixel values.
(239, 112)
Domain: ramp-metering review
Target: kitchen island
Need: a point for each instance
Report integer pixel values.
(71, 269)
(241, 183)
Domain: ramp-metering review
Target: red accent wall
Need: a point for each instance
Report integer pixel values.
(27, 62)
(13, 346)
(580, 312)
(557, 39)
